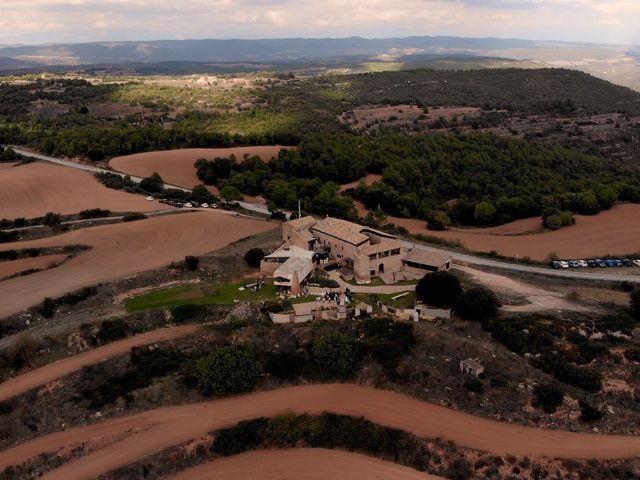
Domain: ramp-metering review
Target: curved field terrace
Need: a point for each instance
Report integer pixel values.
(119, 441)
(34, 189)
(122, 249)
(307, 463)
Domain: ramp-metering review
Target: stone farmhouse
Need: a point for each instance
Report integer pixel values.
(365, 251)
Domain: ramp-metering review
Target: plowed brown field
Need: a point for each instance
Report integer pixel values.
(43, 375)
(614, 232)
(177, 166)
(120, 441)
(123, 249)
(10, 268)
(34, 189)
(307, 463)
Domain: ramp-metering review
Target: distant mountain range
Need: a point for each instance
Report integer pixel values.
(616, 63)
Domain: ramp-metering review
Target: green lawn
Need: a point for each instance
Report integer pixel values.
(201, 294)
(408, 301)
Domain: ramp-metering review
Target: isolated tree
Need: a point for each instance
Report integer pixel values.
(477, 303)
(634, 304)
(191, 262)
(548, 397)
(439, 289)
(201, 194)
(230, 194)
(47, 308)
(335, 354)
(484, 213)
(437, 220)
(153, 183)
(95, 154)
(51, 219)
(232, 369)
(253, 257)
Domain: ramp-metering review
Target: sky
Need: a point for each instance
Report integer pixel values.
(73, 21)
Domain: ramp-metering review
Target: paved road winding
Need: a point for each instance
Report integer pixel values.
(458, 257)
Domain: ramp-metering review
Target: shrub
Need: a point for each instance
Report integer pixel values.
(634, 305)
(111, 330)
(286, 365)
(153, 183)
(191, 262)
(47, 308)
(477, 303)
(632, 354)
(232, 369)
(324, 282)
(201, 194)
(189, 313)
(459, 469)
(253, 257)
(335, 354)
(94, 213)
(51, 219)
(548, 397)
(589, 413)
(132, 217)
(474, 384)
(439, 289)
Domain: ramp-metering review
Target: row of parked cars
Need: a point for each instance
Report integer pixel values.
(597, 263)
(185, 205)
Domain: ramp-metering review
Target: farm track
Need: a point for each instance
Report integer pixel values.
(307, 463)
(119, 441)
(122, 249)
(43, 375)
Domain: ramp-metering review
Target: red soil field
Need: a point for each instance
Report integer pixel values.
(120, 441)
(176, 166)
(43, 375)
(123, 249)
(369, 179)
(5, 165)
(614, 232)
(15, 266)
(307, 463)
(34, 189)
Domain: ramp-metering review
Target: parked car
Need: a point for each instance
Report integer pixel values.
(188, 205)
(149, 198)
(627, 262)
(636, 262)
(555, 264)
(610, 263)
(214, 206)
(583, 263)
(600, 263)
(195, 204)
(618, 262)
(574, 264)
(564, 264)
(205, 205)
(592, 263)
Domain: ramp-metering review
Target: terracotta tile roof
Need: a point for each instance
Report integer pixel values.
(383, 246)
(303, 223)
(342, 229)
(425, 257)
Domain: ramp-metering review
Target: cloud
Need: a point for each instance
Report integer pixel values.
(94, 20)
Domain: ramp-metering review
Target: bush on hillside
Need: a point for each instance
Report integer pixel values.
(439, 289)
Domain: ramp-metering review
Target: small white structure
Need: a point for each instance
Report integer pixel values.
(290, 267)
(472, 366)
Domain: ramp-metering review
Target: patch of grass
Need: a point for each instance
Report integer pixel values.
(202, 294)
(382, 66)
(406, 301)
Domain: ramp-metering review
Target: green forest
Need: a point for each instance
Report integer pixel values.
(461, 180)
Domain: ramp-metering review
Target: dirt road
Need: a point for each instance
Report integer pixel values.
(120, 441)
(123, 249)
(34, 189)
(307, 463)
(43, 375)
(539, 299)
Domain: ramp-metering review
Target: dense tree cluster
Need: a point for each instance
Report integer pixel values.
(466, 180)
